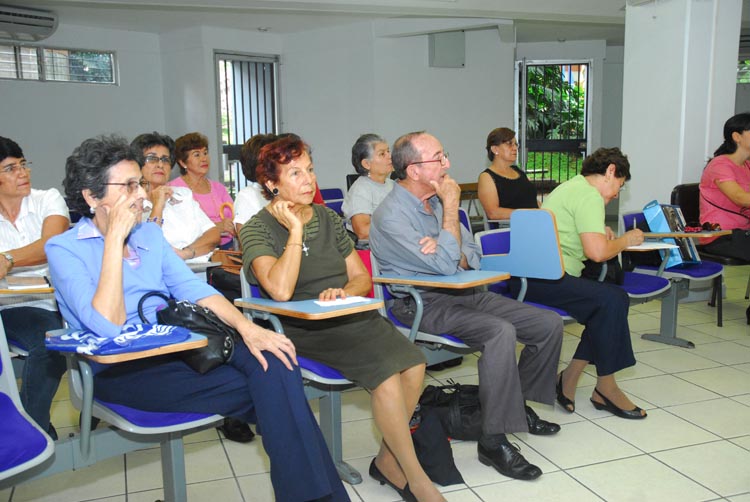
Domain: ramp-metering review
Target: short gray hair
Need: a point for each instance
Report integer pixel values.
(363, 149)
(404, 153)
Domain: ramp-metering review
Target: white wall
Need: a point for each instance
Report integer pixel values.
(190, 93)
(49, 119)
(333, 92)
(611, 133)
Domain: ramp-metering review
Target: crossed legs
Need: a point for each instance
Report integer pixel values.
(393, 402)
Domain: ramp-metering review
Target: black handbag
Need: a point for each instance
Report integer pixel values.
(458, 408)
(221, 337)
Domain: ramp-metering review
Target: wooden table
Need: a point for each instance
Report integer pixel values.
(459, 280)
(307, 309)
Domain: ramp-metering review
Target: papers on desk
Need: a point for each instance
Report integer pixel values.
(341, 301)
(651, 246)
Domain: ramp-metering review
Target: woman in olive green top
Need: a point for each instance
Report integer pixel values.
(578, 205)
(297, 250)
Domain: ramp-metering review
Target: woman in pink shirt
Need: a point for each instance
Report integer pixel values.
(191, 151)
(725, 191)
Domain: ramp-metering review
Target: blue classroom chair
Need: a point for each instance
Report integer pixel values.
(23, 444)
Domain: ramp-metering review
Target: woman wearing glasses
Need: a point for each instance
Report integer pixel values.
(191, 152)
(578, 206)
(107, 262)
(184, 224)
(28, 217)
(504, 187)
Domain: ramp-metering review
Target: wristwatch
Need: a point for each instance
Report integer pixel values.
(8, 257)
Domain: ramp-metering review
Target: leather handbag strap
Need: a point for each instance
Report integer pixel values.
(146, 297)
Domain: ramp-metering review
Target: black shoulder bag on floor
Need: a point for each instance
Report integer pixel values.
(458, 408)
(221, 337)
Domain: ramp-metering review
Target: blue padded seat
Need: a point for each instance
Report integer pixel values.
(319, 369)
(27, 441)
(642, 285)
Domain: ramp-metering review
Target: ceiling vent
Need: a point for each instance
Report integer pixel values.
(21, 24)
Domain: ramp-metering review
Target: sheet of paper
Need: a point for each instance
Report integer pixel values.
(342, 301)
(650, 246)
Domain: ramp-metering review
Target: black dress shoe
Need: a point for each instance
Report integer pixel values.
(634, 414)
(405, 493)
(539, 427)
(566, 403)
(508, 461)
(236, 430)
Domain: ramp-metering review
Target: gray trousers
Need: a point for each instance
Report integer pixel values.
(493, 324)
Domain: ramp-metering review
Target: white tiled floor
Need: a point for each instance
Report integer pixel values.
(694, 445)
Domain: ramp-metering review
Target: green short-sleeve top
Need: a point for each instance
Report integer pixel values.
(578, 208)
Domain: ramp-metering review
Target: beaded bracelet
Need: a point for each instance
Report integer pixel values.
(157, 220)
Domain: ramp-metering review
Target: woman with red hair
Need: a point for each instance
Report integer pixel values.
(296, 250)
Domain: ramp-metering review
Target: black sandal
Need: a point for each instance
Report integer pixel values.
(567, 404)
(634, 414)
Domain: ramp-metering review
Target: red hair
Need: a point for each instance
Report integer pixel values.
(273, 155)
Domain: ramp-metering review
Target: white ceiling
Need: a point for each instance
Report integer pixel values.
(535, 20)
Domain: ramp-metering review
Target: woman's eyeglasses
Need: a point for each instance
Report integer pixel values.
(15, 168)
(154, 159)
(133, 185)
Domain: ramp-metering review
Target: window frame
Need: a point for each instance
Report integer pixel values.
(42, 70)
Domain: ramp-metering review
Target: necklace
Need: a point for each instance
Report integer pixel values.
(305, 249)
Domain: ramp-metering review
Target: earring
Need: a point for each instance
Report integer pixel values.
(92, 210)
(275, 192)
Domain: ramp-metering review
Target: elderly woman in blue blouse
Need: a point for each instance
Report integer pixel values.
(371, 158)
(104, 265)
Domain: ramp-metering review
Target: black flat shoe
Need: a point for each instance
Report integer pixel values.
(236, 430)
(539, 427)
(567, 404)
(508, 461)
(405, 493)
(747, 315)
(634, 414)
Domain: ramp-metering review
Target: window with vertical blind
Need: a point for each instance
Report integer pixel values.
(18, 62)
(248, 105)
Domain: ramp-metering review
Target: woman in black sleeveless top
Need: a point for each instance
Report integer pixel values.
(503, 187)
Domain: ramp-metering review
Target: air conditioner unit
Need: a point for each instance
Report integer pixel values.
(22, 24)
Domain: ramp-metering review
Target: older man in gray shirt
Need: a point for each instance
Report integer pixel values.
(416, 231)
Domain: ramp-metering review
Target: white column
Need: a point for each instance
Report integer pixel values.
(679, 84)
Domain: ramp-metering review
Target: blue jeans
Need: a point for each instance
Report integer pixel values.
(26, 327)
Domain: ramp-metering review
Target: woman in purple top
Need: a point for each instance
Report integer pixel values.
(191, 152)
(105, 264)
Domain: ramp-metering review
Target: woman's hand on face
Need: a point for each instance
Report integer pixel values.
(282, 211)
(258, 339)
(331, 294)
(123, 215)
(160, 195)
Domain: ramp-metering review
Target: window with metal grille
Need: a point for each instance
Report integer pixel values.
(247, 106)
(57, 64)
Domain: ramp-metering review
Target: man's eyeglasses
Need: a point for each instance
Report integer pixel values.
(15, 168)
(153, 159)
(133, 185)
(443, 159)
